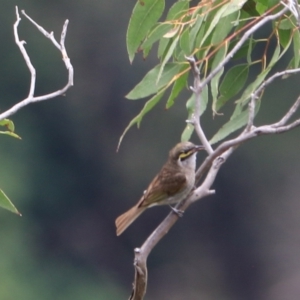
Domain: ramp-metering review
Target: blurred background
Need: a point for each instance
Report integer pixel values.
(69, 183)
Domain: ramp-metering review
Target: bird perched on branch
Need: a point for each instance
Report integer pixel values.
(171, 185)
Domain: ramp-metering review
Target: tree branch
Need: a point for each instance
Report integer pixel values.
(61, 46)
(197, 90)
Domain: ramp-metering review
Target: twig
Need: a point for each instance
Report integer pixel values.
(239, 44)
(197, 90)
(61, 46)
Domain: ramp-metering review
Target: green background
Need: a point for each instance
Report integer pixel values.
(69, 183)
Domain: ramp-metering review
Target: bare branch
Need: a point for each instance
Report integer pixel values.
(197, 90)
(288, 115)
(31, 98)
(25, 55)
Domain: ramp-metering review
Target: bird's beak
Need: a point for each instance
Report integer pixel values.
(198, 148)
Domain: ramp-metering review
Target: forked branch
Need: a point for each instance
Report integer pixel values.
(60, 46)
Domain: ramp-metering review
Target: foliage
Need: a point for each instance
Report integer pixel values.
(210, 31)
(4, 200)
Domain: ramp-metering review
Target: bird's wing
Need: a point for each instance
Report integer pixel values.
(163, 186)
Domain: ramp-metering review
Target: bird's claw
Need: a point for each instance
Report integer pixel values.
(178, 212)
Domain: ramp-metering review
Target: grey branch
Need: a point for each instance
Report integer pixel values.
(61, 47)
(197, 90)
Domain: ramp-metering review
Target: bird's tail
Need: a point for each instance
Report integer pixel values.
(123, 221)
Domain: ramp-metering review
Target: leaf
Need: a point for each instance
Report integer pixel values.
(177, 10)
(11, 128)
(225, 10)
(147, 86)
(138, 119)
(7, 204)
(166, 58)
(284, 37)
(296, 44)
(8, 124)
(233, 124)
(157, 33)
(163, 46)
(185, 42)
(179, 84)
(214, 85)
(11, 134)
(223, 28)
(261, 8)
(286, 24)
(187, 132)
(245, 50)
(194, 31)
(232, 83)
(260, 78)
(145, 14)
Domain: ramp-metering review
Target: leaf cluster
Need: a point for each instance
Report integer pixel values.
(208, 31)
(4, 200)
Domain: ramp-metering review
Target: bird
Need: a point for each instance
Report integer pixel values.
(172, 184)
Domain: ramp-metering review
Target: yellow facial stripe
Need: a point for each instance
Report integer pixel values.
(185, 155)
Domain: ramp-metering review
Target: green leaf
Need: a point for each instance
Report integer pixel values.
(145, 14)
(7, 204)
(179, 84)
(185, 42)
(163, 46)
(260, 78)
(177, 10)
(224, 27)
(233, 124)
(214, 85)
(11, 134)
(166, 58)
(261, 8)
(232, 83)
(286, 24)
(284, 37)
(296, 44)
(147, 86)
(224, 10)
(138, 119)
(11, 128)
(8, 124)
(194, 31)
(157, 33)
(245, 50)
(187, 132)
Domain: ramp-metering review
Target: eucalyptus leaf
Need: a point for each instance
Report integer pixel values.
(7, 204)
(138, 119)
(233, 124)
(178, 85)
(149, 86)
(145, 14)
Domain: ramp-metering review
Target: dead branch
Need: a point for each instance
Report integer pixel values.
(61, 47)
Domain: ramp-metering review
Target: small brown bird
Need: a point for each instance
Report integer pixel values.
(171, 185)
